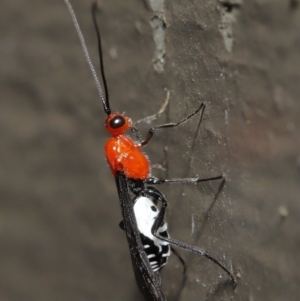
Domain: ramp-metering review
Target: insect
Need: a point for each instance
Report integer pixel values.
(143, 221)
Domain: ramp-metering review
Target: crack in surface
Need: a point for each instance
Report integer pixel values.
(159, 27)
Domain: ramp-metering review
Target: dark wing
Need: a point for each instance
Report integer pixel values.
(148, 282)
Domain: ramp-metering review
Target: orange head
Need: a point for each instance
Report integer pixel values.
(116, 123)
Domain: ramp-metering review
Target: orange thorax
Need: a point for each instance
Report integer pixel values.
(123, 154)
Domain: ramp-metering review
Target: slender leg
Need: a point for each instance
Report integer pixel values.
(157, 181)
(183, 245)
(136, 133)
(148, 119)
(196, 250)
(171, 125)
(221, 186)
(156, 195)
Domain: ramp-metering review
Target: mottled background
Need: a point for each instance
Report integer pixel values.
(59, 210)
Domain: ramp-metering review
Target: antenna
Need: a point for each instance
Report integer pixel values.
(88, 59)
(94, 10)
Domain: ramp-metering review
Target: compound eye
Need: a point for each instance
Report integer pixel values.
(117, 122)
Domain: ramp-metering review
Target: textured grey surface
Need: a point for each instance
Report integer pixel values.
(59, 211)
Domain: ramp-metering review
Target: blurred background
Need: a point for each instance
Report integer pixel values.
(59, 210)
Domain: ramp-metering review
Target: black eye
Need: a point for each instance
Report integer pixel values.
(117, 122)
(154, 208)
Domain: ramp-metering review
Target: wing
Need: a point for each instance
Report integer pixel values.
(149, 282)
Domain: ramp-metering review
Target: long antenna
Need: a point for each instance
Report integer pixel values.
(94, 10)
(87, 57)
